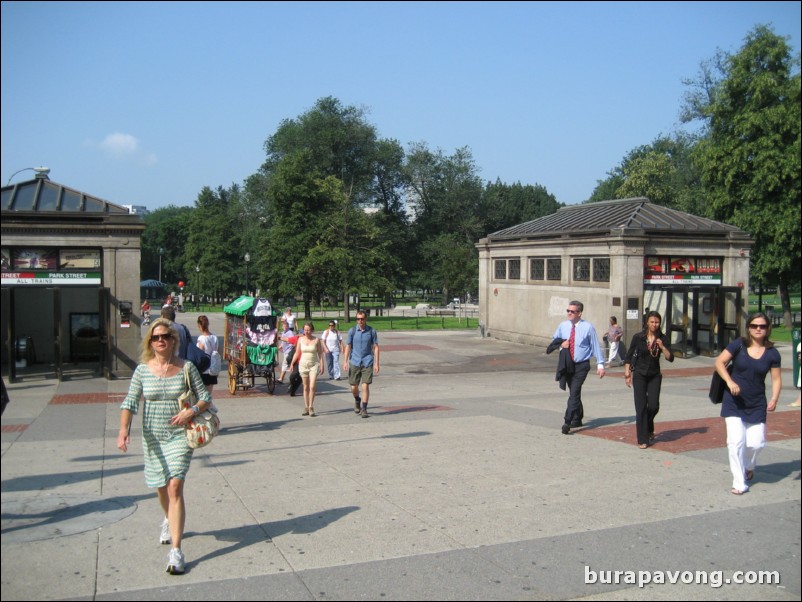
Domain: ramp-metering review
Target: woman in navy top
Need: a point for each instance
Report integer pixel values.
(744, 406)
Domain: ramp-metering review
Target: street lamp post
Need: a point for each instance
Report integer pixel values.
(247, 261)
(161, 250)
(197, 302)
(40, 171)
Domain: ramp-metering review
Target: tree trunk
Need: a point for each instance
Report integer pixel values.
(785, 301)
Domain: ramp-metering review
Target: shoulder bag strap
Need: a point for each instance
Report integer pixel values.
(186, 375)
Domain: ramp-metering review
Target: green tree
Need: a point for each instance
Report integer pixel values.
(298, 209)
(214, 246)
(167, 229)
(445, 196)
(454, 265)
(350, 238)
(749, 155)
(322, 170)
(506, 205)
(339, 141)
(391, 217)
(607, 189)
(662, 171)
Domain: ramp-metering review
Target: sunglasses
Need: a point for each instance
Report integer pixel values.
(161, 337)
(571, 311)
(759, 326)
(360, 319)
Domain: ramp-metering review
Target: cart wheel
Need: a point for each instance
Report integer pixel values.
(232, 378)
(270, 376)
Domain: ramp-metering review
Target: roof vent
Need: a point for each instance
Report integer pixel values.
(41, 173)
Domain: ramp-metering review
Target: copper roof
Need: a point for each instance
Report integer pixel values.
(625, 214)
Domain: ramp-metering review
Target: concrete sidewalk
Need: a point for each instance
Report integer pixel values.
(459, 486)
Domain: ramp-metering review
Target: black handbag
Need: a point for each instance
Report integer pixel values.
(717, 384)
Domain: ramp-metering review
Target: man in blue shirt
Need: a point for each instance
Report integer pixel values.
(168, 313)
(579, 337)
(361, 361)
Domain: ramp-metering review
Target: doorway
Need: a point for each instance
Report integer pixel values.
(699, 320)
(53, 332)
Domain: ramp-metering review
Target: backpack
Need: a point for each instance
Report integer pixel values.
(193, 353)
(216, 364)
(216, 360)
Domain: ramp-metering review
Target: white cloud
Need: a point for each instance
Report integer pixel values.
(120, 145)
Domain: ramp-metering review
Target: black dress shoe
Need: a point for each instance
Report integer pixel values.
(566, 429)
(576, 425)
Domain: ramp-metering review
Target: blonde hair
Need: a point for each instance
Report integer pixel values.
(146, 351)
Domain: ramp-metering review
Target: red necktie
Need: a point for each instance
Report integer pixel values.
(571, 340)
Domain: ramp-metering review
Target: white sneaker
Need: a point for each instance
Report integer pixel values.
(164, 538)
(175, 562)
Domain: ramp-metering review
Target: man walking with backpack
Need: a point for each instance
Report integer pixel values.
(186, 348)
(361, 361)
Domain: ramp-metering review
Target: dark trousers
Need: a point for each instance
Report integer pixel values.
(647, 404)
(575, 412)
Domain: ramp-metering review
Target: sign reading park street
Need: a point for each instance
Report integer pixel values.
(51, 278)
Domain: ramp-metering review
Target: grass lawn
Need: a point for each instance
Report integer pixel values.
(398, 323)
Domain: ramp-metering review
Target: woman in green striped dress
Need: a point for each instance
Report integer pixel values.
(159, 378)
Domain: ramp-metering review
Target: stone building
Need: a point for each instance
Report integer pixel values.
(620, 258)
(70, 282)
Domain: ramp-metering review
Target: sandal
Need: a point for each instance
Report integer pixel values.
(305, 413)
(734, 491)
(750, 475)
(643, 445)
(312, 413)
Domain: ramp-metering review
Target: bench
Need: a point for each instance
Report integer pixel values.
(441, 312)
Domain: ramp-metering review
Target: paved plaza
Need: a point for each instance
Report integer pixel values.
(460, 486)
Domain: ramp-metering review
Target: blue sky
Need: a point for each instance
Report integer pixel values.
(147, 103)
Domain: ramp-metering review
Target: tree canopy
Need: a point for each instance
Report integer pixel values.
(335, 209)
(748, 158)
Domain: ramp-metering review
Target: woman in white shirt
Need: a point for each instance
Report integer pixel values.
(207, 342)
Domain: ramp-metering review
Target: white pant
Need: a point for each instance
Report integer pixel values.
(613, 352)
(744, 441)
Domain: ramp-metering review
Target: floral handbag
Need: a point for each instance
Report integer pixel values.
(203, 427)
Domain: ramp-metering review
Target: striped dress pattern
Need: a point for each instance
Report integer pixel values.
(167, 453)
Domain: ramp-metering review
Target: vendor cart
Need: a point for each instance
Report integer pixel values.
(250, 343)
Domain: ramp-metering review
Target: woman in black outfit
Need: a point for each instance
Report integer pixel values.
(643, 368)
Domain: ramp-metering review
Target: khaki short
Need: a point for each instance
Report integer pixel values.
(358, 375)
